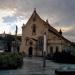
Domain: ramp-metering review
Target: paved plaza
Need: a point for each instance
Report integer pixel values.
(34, 66)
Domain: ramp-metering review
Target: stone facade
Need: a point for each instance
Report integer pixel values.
(32, 37)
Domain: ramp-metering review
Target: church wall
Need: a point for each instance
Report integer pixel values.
(53, 40)
(27, 33)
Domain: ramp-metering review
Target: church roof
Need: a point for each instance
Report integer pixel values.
(50, 28)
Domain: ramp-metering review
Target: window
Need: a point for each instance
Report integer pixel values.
(33, 29)
(26, 40)
(40, 43)
(57, 49)
(51, 50)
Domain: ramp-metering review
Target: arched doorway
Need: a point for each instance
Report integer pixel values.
(30, 51)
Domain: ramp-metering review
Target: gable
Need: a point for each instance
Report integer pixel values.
(41, 27)
(39, 24)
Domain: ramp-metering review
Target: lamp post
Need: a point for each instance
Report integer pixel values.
(44, 51)
(16, 38)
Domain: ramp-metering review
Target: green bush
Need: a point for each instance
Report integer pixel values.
(64, 57)
(10, 60)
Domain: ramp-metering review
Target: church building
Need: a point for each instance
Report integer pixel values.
(32, 37)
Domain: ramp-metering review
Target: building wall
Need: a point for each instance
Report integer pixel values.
(27, 33)
(27, 37)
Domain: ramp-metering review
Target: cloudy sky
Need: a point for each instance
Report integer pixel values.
(60, 13)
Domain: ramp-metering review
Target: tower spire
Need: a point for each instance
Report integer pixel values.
(47, 21)
(4, 34)
(60, 31)
(16, 30)
(34, 17)
(34, 9)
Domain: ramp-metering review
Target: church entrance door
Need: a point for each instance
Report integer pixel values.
(30, 51)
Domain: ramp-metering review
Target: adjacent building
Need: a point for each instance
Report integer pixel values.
(9, 43)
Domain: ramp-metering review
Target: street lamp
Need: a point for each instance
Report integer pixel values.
(44, 51)
(16, 41)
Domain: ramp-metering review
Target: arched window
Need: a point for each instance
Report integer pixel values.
(57, 48)
(33, 29)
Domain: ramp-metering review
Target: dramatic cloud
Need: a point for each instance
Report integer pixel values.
(60, 13)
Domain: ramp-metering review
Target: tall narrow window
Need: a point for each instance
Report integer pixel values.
(40, 42)
(57, 49)
(26, 40)
(51, 50)
(33, 29)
